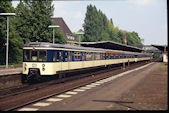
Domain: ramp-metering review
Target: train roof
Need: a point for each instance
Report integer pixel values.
(51, 45)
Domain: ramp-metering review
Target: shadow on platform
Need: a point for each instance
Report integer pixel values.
(122, 103)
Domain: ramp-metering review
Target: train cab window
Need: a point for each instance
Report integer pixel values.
(42, 56)
(54, 56)
(34, 56)
(26, 55)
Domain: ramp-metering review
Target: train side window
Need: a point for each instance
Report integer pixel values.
(94, 56)
(101, 56)
(97, 56)
(77, 56)
(54, 56)
(42, 56)
(69, 55)
(91, 56)
(121, 56)
(83, 56)
(57, 56)
(117, 56)
(106, 56)
(60, 56)
(88, 56)
(65, 56)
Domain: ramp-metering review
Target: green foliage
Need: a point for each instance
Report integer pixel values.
(33, 20)
(98, 28)
(59, 37)
(95, 25)
(157, 55)
(77, 37)
(29, 25)
(15, 41)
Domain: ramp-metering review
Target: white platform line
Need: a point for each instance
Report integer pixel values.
(71, 93)
(104, 80)
(96, 84)
(64, 96)
(90, 86)
(41, 104)
(85, 88)
(100, 82)
(54, 99)
(79, 90)
(121, 74)
(28, 109)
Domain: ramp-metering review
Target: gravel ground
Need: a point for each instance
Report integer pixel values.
(150, 93)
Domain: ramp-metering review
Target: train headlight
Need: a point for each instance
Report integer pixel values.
(25, 67)
(43, 67)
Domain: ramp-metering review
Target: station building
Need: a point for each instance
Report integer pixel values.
(65, 30)
(110, 45)
(164, 50)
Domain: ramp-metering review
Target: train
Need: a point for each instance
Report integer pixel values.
(46, 59)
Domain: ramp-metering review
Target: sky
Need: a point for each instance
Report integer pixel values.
(146, 17)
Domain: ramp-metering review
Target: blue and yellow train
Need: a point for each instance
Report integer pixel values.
(45, 59)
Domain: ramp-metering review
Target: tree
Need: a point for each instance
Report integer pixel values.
(113, 32)
(95, 25)
(98, 28)
(15, 41)
(34, 17)
(90, 25)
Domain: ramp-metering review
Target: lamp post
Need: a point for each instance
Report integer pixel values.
(80, 32)
(53, 26)
(7, 45)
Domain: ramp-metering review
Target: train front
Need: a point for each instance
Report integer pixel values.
(36, 64)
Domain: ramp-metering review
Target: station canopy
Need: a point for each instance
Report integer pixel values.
(110, 45)
(161, 48)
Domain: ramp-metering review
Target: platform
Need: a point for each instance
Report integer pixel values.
(10, 71)
(103, 95)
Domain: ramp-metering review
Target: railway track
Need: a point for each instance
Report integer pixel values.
(36, 92)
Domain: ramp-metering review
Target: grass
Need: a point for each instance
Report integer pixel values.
(163, 66)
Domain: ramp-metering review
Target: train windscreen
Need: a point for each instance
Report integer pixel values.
(34, 55)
